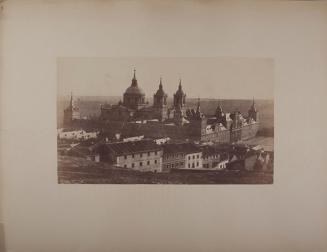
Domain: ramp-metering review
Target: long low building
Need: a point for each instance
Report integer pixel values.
(143, 155)
(147, 155)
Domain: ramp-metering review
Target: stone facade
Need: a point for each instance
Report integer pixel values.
(177, 121)
(193, 160)
(141, 155)
(143, 161)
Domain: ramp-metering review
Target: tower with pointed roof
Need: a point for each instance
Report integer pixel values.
(134, 97)
(179, 97)
(71, 112)
(198, 122)
(160, 103)
(253, 113)
(219, 111)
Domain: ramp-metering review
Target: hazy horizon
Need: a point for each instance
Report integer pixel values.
(169, 97)
(211, 78)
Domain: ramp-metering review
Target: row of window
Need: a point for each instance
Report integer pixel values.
(172, 156)
(141, 154)
(174, 165)
(142, 163)
(222, 165)
(210, 157)
(193, 165)
(193, 157)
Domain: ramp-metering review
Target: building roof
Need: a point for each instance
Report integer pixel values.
(125, 148)
(134, 90)
(185, 148)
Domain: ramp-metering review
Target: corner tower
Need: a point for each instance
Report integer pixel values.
(253, 113)
(71, 113)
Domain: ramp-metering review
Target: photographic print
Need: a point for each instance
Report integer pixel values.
(165, 121)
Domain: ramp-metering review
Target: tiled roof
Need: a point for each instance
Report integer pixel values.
(125, 148)
(180, 148)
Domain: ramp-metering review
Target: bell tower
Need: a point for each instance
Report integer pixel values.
(179, 97)
(160, 102)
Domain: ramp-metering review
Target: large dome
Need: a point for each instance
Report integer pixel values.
(134, 90)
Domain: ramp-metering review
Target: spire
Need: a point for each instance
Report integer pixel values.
(198, 106)
(134, 80)
(253, 105)
(180, 84)
(160, 84)
(253, 111)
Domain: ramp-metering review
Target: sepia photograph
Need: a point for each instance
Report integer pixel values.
(175, 125)
(165, 121)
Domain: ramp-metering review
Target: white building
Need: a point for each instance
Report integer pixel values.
(142, 155)
(193, 160)
(161, 140)
(76, 134)
(133, 138)
(181, 156)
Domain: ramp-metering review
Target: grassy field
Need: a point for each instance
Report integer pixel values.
(72, 170)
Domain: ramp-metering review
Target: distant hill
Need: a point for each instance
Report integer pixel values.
(90, 106)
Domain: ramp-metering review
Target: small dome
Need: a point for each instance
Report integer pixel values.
(134, 90)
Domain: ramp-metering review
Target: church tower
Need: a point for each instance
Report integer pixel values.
(160, 102)
(180, 99)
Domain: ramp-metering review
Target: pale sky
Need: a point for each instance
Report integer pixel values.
(223, 77)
